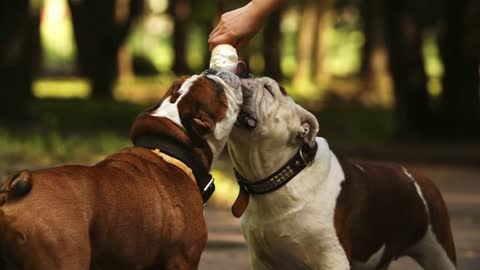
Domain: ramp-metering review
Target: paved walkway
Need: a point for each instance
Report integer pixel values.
(460, 187)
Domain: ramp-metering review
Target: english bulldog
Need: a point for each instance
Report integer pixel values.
(141, 208)
(306, 208)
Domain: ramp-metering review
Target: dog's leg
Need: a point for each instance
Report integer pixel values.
(34, 253)
(430, 255)
(43, 243)
(436, 250)
(258, 265)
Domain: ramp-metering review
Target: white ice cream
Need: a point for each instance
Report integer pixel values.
(224, 58)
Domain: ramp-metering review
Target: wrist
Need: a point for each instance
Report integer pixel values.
(263, 8)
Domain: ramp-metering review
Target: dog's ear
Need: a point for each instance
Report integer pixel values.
(201, 124)
(308, 126)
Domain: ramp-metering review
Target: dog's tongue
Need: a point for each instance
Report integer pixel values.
(225, 58)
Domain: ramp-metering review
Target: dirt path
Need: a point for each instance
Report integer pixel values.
(461, 189)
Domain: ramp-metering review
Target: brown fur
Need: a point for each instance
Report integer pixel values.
(132, 210)
(378, 204)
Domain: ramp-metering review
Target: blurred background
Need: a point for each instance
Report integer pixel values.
(387, 80)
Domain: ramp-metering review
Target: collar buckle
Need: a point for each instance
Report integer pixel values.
(208, 190)
(307, 160)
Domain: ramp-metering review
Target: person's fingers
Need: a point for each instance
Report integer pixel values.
(215, 30)
(222, 39)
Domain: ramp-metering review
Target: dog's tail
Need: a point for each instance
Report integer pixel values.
(15, 186)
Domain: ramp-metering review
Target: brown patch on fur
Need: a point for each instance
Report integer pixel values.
(173, 90)
(199, 110)
(133, 210)
(378, 204)
(203, 98)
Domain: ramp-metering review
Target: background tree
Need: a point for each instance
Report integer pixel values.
(373, 55)
(460, 50)
(311, 41)
(404, 37)
(271, 47)
(100, 29)
(180, 11)
(19, 55)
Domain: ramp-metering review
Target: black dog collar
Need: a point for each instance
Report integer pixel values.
(177, 150)
(303, 158)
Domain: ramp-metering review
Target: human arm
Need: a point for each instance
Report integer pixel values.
(238, 26)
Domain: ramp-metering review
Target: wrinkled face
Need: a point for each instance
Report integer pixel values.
(205, 106)
(268, 113)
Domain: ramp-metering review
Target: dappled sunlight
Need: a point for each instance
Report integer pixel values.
(433, 65)
(61, 88)
(140, 90)
(143, 90)
(57, 36)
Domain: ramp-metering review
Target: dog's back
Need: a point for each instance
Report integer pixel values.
(132, 210)
(385, 211)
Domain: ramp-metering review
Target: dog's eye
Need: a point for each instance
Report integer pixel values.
(269, 89)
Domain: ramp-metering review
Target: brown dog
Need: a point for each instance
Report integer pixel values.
(137, 209)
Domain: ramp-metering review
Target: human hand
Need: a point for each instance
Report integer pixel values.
(237, 27)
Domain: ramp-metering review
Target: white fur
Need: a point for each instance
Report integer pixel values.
(430, 254)
(170, 110)
(292, 228)
(419, 191)
(359, 167)
(218, 139)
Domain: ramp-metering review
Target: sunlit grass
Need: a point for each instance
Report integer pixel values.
(40, 148)
(36, 149)
(226, 188)
(61, 88)
(137, 90)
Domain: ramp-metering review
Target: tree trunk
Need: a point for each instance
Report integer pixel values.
(311, 42)
(180, 11)
(272, 46)
(404, 42)
(100, 29)
(324, 10)
(306, 41)
(19, 55)
(374, 63)
(460, 47)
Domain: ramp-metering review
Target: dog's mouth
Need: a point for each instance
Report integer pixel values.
(245, 119)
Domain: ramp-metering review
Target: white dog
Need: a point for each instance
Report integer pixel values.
(309, 209)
